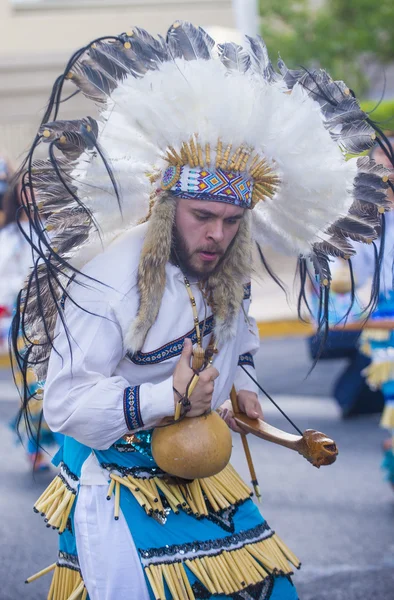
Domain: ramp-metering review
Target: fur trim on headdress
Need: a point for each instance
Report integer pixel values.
(227, 283)
(225, 286)
(152, 270)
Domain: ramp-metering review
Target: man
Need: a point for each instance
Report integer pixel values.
(151, 243)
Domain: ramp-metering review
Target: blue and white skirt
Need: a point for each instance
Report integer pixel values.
(201, 539)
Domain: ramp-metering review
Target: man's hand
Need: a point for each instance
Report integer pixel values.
(201, 397)
(248, 403)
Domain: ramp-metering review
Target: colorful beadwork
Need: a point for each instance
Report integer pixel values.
(200, 183)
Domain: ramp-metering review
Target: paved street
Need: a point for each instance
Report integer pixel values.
(338, 520)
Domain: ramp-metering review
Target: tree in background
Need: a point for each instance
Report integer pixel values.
(345, 36)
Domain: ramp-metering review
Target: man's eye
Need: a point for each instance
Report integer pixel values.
(231, 221)
(202, 217)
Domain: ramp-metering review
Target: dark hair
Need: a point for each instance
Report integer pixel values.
(12, 201)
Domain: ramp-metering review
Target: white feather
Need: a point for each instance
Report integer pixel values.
(166, 107)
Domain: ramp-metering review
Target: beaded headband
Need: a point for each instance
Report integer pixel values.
(199, 183)
(236, 177)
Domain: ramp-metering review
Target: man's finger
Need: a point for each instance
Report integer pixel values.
(187, 351)
(254, 410)
(234, 426)
(211, 373)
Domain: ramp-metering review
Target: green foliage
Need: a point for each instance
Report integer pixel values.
(383, 114)
(335, 35)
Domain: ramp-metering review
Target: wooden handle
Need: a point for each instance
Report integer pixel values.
(245, 444)
(316, 447)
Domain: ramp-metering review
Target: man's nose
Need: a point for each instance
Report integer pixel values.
(215, 231)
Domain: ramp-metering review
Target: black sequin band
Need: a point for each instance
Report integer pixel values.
(193, 550)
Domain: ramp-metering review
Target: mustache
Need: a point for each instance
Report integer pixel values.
(211, 249)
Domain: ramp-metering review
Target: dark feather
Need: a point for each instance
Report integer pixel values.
(321, 87)
(234, 57)
(92, 82)
(365, 211)
(141, 57)
(353, 228)
(111, 59)
(373, 181)
(290, 76)
(346, 111)
(354, 137)
(368, 194)
(158, 45)
(71, 137)
(367, 165)
(321, 264)
(189, 42)
(69, 220)
(260, 61)
(66, 242)
(335, 246)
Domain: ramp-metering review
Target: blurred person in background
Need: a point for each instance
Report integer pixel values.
(4, 181)
(351, 390)
(367, 383)
(15, 257)
(15, 262)
(378, 344)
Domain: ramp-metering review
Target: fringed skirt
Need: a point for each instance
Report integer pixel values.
(200, 539)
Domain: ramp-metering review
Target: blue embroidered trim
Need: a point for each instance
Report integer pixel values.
(131, 408)
(247, 290)
(246, 359)
(171, 349)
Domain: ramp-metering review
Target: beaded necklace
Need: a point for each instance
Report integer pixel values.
(200, 356)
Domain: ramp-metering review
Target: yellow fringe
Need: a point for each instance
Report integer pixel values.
(55, 504)
(226, 573)
(379, 373)
(387, 420)
(67, 584)
(376, 335)
(198, 497)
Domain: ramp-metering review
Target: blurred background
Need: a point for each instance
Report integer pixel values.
(339, 520)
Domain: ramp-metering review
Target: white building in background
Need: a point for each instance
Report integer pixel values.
(38, 36)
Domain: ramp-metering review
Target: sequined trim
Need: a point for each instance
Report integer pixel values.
(68, 560)
(131, 408)
(69, 479)
(247, 290)
(209, 548)
(246, 359)
(138, 472)
(171, 349)
(259, 591)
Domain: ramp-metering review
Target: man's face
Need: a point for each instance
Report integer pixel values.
(203, 232)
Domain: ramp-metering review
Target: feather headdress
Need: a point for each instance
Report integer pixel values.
(194, 118)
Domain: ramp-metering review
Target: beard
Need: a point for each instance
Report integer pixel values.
(182, 255)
